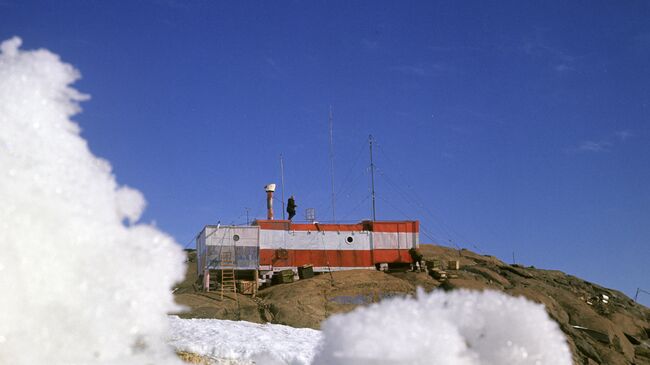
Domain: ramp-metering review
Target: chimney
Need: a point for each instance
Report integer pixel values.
(270, 188)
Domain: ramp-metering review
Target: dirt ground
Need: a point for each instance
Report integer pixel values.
(612, 333)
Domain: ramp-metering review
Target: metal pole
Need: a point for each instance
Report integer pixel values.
(332, 162)
(639, 290)
(372, 177)
(282, 178)
(269, 204)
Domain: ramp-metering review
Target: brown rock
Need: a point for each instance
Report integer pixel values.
(306, 303)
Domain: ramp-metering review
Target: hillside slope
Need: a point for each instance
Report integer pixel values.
(615, 332)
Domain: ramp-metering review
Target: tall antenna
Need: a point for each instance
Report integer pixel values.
(639, 290)
(332, 162)
(372, 176)
(282, 182)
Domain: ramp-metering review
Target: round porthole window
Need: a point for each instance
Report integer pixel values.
(350, 239)
(235, 238)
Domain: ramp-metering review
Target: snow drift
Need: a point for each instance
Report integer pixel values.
(81, 282)
(455, 328)
(460, 327)
(244, 342)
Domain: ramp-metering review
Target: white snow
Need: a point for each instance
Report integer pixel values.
(459, 327)
(243, 341)
(81, 281)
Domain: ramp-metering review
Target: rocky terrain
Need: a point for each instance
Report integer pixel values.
(603, 326)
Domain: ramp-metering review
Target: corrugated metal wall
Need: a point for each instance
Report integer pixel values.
(283, 244)
(240, 242)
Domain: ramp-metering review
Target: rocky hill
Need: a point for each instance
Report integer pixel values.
(603, 326)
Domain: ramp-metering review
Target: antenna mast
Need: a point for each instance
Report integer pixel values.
(282, 181)
(372, 176)
(331, 126)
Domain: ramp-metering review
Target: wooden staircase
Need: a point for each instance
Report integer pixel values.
(227, 272)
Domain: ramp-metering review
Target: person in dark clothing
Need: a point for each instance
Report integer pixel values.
(291, 207)
(416, 256)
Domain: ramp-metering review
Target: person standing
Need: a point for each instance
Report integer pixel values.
(291, 207)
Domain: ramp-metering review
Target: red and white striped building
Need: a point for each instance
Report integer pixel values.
(273, 245)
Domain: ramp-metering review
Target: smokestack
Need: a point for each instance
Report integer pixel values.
(270, 188)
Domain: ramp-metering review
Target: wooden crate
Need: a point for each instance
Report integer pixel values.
(305, 272)
(435, 264)
(247, 287)
(282, 277)
(453, 265)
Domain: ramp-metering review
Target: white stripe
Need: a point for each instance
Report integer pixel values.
(314, 240)
(394, 240)
(247, 236)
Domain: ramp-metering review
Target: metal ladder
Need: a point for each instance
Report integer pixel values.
(227, 272)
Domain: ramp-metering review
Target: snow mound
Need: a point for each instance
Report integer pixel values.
(244, 342)
(456, 328)
(82, 283)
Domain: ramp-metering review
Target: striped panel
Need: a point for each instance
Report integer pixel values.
(331, 258)
(245, 258)
(398, 226)
(225, 236)
(285, 244)
(289, 226)
(214, 239)
(381, 226)
(393, 240)
(314, 240)
(392, 256)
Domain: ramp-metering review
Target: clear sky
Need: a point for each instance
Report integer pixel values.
(507, 128)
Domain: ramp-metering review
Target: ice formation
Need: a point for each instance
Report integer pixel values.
(458, 327)
(81, 281)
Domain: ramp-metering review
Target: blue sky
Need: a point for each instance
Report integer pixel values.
(505, 128)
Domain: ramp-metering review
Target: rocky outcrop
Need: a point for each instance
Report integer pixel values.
(603, 326)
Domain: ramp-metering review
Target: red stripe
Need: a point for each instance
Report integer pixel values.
(334, 258)
(327, 227)
(383, 226)
(273, 224)
(280, 225)
(392, 227)
(392, 256)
